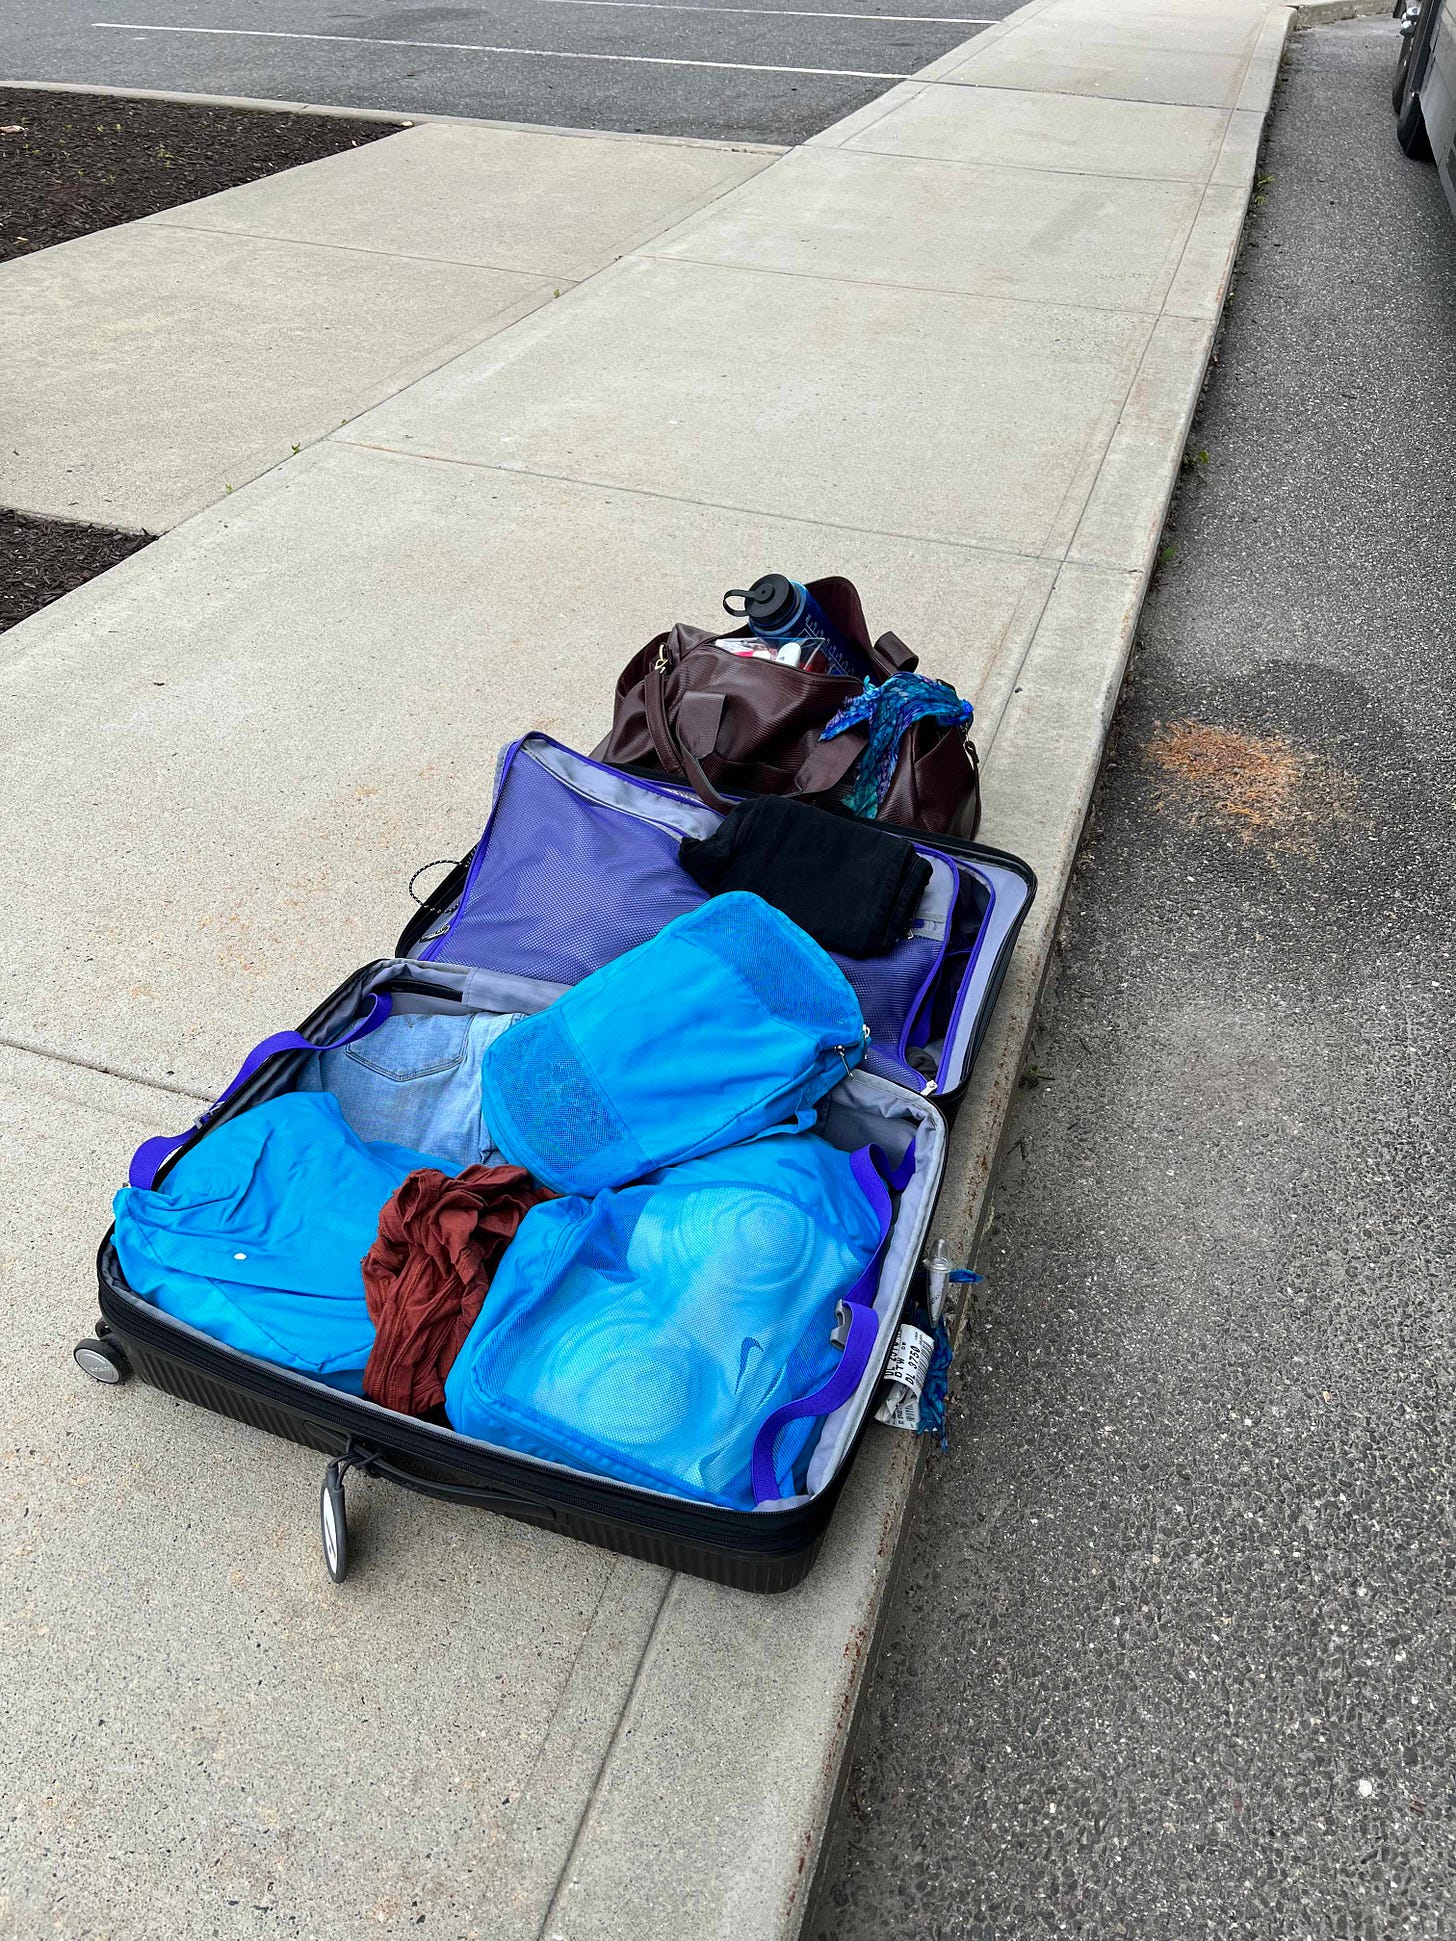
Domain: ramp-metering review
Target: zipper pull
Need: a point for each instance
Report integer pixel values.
(843, 1050)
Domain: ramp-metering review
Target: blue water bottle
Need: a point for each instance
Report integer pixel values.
(779, 609)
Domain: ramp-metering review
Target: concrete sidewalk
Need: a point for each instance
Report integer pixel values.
(952, 348)
(225, 334)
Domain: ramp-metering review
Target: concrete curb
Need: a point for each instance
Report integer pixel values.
(1076, 694)
(400, 119)
(1324, 13)
(214, 101)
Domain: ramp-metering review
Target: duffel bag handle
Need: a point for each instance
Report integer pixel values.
(146, 1161)
(701, 715)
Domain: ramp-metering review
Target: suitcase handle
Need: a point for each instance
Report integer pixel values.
(333, 1518)
(480, 1494)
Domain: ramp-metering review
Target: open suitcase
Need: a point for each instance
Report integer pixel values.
(578, 864)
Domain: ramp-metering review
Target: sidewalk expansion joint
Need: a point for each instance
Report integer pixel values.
(980, 294)
(563, 1879)
(533, 275)
(987, 167)
(1224, 107)
(124, 1072)
(1054, 557)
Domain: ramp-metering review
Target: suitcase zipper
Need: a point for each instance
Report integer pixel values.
(844, 1050)
(562, 1491)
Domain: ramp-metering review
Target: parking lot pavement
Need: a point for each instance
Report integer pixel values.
(1171, 1650)
(771, 73)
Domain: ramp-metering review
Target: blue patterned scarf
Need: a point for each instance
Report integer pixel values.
(891, 709)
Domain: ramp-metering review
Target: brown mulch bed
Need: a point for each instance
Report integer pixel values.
(40, 559)
(71, 163)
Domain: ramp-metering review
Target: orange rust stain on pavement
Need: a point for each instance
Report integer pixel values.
(1263, 788)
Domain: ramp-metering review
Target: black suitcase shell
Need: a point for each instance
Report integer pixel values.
(763, 1550)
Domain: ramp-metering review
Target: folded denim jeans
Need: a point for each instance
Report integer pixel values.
(415, 1082)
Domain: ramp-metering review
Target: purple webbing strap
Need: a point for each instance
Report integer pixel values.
(146, 1161)
(877, 1179)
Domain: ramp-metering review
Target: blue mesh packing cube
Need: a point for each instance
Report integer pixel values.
(648, 1334)
(729, 1022)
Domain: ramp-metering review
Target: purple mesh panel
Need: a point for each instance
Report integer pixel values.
(888, 986)
(565, 885)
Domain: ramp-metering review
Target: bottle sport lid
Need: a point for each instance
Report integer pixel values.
(771, 602)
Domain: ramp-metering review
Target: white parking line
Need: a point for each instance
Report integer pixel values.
(475, 47)
(786, 13)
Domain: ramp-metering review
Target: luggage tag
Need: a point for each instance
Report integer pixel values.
(906, 1367)
(913, 1353)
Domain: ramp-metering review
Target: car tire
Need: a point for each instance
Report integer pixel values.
(1410, 129)
(1402, 73)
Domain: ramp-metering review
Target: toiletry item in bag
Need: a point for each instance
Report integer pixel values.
(728, 1022)
(651, 1334)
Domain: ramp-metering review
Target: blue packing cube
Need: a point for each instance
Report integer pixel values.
(727, 1023)
(648, 1334)
(257, 1233)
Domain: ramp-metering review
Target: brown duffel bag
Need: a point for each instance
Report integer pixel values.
(730, 725)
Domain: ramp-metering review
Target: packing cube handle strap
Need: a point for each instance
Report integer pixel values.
(878, 1178)
(146, 1161)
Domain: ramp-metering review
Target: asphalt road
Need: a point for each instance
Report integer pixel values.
(772, 72)
(1171, 1653)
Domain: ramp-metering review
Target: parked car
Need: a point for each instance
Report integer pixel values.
(1424, 94)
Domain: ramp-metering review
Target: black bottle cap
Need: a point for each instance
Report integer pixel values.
(770, 602)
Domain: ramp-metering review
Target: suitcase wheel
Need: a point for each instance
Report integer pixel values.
(333, 1524)
(103, 1361)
